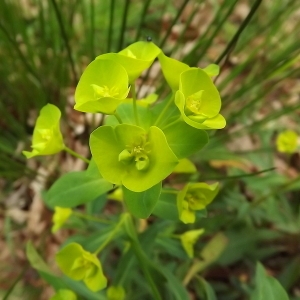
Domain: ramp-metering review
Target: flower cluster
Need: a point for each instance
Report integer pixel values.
(140, 151)
(140, 144)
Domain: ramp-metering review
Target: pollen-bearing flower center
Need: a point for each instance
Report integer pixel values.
(137, 154)
(46, 134)
(194, 101)
(193, 198)
(104, 91)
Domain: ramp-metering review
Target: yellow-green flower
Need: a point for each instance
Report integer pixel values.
(64, 294)
(47, 138)
(102, 87)
(188, 239)
(130, 156)
(60, 216)
(115, 293)
(135, 58)
(195, 196)
(198, 100)
(286, 141)
(79, 264)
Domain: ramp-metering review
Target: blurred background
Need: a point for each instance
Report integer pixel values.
(44, 47)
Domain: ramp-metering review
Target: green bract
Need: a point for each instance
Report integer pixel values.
(172, 68)
(194, 196)
(199, 101)
(64, 294)
(79, 264)
(60, 216)
(135, 58)
(102, 87)
(47, 138)
(188, 239)
(128, 155)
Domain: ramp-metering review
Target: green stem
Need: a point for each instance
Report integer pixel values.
(76, 154)
(133, 92)
(110, 237)
(90, 218)
(138, 251)
(118, 118)
(170, 101)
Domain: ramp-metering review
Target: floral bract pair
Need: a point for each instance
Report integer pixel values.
(47, 138)
(196, 96)
(79, 264)
(131, 156)
(104, 83)
(193, 197)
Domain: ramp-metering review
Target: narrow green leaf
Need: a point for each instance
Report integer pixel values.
(39, 264)
(185, 140)
(75, 188)
(166, 207)
(142, 204)
(267, 287)
(208, 290)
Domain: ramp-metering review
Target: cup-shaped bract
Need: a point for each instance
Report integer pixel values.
(47, 138)
(64, 294)
(60, 216)
(198, 100)
(135, 58)
(102, 87)
(128, 155)
(188, 239)
(286, 141)
(195, 196)
(79, 264)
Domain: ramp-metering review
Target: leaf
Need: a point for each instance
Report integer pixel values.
(209, 254)
(208, 290)
(166, 207)
(39, 264)
(174, 285)
(142, 204)
(75, 188)
(185, 140)
(126, 114)
(185, 166)
(267, 287)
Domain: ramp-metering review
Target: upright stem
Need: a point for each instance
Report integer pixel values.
(133, 92)
(170, 101)
(76, 154)
(110, 237)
